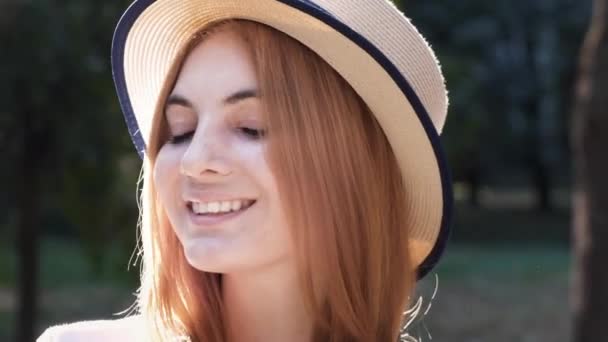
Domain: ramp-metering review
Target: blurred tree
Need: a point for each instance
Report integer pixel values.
(507, 65)
(590, 198)
(61, 117)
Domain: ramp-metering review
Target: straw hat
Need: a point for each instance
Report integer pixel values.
(370, 43)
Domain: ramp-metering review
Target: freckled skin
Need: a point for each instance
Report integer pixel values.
(221, 157)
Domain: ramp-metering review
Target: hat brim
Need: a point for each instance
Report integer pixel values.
(151, 35)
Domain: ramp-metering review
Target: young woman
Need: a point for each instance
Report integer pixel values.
(294, 186)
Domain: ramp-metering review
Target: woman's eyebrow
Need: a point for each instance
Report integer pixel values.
(176, 99)
(240, 95)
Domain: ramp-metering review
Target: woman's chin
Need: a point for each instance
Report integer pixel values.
(203, 258)
(206, 261)
(212, 259)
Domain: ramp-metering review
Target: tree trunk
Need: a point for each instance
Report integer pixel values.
(36, 136)
(27, 231)
(590, 197)
(473, 178)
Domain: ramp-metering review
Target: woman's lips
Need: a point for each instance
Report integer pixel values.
(209, 220)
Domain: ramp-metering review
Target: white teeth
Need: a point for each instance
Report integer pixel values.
(217, 207)
(226, 206)
(199, 208)
(213, 207)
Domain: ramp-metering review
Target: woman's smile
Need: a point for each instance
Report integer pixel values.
(210, 214)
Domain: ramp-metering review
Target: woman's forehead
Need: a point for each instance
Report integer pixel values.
(215, 69)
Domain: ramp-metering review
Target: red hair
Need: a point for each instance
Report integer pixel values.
(342, 192)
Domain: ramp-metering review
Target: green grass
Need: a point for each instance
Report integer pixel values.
(512, 225)
(522, 261)
(69, 287)
(63, 263)
(499, 293)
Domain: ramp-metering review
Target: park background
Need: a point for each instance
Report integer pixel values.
(69, 171)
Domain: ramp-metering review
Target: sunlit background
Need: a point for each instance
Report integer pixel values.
(69, 171)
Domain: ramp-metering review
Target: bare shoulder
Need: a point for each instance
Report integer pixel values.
(124, 329)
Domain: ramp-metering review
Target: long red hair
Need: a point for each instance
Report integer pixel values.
(342, 192)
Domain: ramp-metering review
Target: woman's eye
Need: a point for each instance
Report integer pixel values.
(252, 132)
(249, 132)
(178, 139)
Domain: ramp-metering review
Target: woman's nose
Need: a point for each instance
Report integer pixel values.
(205, 156)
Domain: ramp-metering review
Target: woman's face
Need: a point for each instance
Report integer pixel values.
(214, 161)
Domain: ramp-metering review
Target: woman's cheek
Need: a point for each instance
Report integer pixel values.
(166, 169)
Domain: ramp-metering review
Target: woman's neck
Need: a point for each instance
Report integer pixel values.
(265, 306)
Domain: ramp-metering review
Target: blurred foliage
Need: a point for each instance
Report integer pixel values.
(55, 66)
(509, 67)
